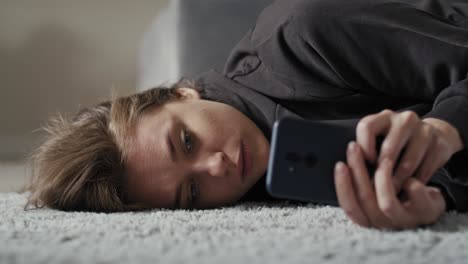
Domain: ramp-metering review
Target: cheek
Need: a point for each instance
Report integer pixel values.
(220, 195)
(149, 190)
(219, 131)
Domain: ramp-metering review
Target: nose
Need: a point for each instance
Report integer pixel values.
(216, 164)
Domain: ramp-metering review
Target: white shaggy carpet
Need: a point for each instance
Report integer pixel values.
(246, 233)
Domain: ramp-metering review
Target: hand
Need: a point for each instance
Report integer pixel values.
(381, 208)
(429, 145)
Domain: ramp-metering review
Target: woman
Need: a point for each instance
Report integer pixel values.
(400, 66)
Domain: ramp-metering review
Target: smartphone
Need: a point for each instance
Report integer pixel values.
(303, 154)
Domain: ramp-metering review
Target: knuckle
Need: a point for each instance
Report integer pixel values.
(364, 125)
(408, 117)
(416, 188)
(387, 112)
(441, 143)
(428, 131)
(411, 115)
(386, 149)
(366, 196)
(406, 167)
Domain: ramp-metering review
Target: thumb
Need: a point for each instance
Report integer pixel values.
(415, 195)
(436, 195)
(415, 190)
(419, 197)
(425, 201)
(434, 192)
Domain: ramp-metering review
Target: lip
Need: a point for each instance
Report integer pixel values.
(247, 164)
(240, 162)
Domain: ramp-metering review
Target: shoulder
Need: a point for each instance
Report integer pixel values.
(303, 16)
(317, 14)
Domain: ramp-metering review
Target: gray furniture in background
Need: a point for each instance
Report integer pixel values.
(192, 36)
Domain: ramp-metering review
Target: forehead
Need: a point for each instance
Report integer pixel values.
(146, 178)
(149, 137)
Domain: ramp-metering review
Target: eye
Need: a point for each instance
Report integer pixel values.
(194, 193)
(188, 141)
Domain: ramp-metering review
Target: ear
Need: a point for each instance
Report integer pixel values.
(188, 93)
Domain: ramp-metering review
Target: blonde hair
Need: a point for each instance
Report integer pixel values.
(80, 165)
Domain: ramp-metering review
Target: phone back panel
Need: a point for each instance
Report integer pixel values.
(302, 157)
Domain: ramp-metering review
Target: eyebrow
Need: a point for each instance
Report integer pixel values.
(170, 147)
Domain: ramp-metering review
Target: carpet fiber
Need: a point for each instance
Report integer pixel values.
(249, 232)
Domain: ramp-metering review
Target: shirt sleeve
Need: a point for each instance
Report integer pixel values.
(410, 49)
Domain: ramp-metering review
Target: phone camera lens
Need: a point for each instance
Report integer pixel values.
(292, 168)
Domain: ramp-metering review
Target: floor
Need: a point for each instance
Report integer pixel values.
(244, 233)
(13, 175)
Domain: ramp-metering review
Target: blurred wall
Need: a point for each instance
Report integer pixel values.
(58, 55)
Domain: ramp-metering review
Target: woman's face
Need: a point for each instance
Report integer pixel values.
(206, 139)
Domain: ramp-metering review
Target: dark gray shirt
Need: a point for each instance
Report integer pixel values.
(341, 59)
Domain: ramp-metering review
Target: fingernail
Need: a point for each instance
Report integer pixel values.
(339, 166)
(434, 193)
(352, 146)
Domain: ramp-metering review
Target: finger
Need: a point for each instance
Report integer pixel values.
(387, 197)
(347, 197)
(425, 203)
(400, 131)
(363, 188)
(412, 157)
(438, 198)
(367, 130)
(430, 162)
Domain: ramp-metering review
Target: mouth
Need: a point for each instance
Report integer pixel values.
(246, 161)
(241, 162)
